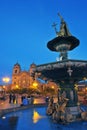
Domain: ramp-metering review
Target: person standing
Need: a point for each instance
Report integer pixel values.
(10, 97)
(14, 98)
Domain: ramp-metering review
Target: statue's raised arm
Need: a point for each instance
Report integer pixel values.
(64, 31)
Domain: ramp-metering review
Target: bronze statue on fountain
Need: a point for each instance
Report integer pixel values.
(66, 73)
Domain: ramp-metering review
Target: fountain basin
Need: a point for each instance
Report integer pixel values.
(35, 118)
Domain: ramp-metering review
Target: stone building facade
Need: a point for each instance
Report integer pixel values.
(22, 79)
(27, 79)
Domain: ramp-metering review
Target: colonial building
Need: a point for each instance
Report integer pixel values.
(22, 79)
(27, 79)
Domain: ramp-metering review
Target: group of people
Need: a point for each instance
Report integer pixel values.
(12, 98)
(26, 100)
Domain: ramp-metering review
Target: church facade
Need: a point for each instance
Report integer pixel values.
(22, 79)
(27, 79)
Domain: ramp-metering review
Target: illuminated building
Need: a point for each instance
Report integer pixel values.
(27, 79)
(22, 79)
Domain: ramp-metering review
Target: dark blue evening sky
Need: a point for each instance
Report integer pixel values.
(26, 27)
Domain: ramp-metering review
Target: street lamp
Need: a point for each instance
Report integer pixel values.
(6, 80)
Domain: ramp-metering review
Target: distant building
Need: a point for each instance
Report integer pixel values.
(27, 79)
(82, 86)
(1, 88)
(2, 91)
(22, 79)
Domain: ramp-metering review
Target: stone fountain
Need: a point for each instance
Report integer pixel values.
(66, 73)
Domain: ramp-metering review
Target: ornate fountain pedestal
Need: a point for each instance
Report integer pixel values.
(66, 73)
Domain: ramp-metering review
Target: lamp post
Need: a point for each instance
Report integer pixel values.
(5, 80)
